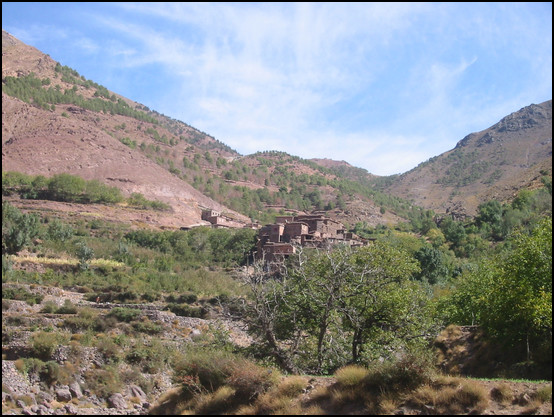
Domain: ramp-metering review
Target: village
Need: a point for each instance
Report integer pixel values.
(280, 239)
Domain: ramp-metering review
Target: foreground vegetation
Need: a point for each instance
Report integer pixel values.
(368, 316)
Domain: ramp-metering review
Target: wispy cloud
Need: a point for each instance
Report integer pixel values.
(382, 86)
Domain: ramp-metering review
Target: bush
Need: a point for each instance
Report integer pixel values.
(291, 386)
(408, 372)
(214, 369)
(59, 231)
(250, 380)
(17, 229)
(103, 382)
(43, 344)
(187, 297)
(125, 314)
(66, 187)
(86, 319)
(67, 308)
(22, 294)
(148, 327)
(187, 311)
(49, 307)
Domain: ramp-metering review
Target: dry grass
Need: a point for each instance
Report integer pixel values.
(217, 402)
(66, 261)
(291, 386)
(450, 397)
(351, 375)
(502, 393)
(544, 394)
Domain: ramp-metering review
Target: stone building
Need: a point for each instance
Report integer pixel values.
(218, 220)
(278, 240)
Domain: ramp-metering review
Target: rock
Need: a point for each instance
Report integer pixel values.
(524, 399)
(71, 409)
(117, 401)
(75, 390)
(136, 391)
(45, 397)
(63, 394)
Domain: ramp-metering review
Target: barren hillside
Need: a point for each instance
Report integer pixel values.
(494, 163)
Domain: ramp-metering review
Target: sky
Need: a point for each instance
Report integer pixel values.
(382, 86)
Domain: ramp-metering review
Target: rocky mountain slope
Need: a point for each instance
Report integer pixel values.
(82, 142)
(494, 163)
(70, 124)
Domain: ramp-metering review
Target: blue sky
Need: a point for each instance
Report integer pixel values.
(383, 86)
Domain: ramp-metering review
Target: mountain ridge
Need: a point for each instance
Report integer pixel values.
(80, 124)
(494, 163)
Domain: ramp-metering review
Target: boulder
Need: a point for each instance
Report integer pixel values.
(63, 394)
(117, 401)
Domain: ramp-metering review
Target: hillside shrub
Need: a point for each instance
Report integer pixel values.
(249, 380)
(20, 293)
(186, 310)
(103, 382)
(407, 372)
(67, 308)
(66, 187)
(44, 344)
(18, 229)
(124, 314)
(86, 319)
(351, 375)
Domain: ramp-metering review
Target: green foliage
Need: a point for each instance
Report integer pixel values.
(60, 187)
(67, 308)
(66, 187)
(200, 245)
(125, 314)
(20, 293)
(18, 229)
(96, 192)
(59, 231)
(407, 372)
(464, 168)
(138, 200)
(38, 92)
(214, 369)
(103, 382)
(510, 295)
(84, 254)
(433, 263)
(330, 303)
(186, 310)
(44, 344)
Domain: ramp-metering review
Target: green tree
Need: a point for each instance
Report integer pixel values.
(18, 229)
(510, 295)
(520, 301)
(66, 187)
(433, 265)
(85, 254)
(326, 303)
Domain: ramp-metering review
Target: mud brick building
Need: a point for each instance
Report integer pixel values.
(219, 220)
(279, 240)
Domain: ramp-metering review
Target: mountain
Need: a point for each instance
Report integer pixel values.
(55, 120)
(82, 141)
(494, 163)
